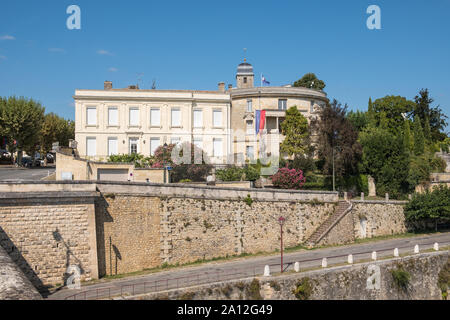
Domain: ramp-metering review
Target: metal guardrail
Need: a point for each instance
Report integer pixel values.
(160, 285)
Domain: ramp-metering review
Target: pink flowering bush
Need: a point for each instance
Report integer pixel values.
(287, 178)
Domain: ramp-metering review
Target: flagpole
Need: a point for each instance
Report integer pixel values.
(261, 80)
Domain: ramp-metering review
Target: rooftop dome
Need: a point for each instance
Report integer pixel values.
(245, 69)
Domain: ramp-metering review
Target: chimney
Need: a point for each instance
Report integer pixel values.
(230, 86)
(221, 86)
(108, 85)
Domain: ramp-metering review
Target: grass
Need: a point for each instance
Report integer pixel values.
(300, 247)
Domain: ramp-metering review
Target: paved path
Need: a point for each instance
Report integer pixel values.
(248, 267)
(9, 173)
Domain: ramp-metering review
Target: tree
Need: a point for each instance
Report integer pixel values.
(310, 80)
(435, 116)
(358, 119)
(55, 129)
(430, 206)
(337, 140)
(408, 140)
(386, 159)
(390, 112)
(21, 121)
(296, 132)
(419, 140)
(195, 169)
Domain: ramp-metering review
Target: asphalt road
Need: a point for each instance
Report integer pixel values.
(247, 267)
(8, 173)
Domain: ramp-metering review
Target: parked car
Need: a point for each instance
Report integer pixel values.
(27, 161)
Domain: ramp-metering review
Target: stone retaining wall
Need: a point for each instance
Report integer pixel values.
(351, 282)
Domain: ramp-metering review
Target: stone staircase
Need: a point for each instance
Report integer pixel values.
(341, 210)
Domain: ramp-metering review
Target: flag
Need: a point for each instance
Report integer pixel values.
(264, 81)
(262, 120)
(257, 118)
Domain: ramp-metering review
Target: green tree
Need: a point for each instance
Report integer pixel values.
(390, 112)
(310, 80)
(55, 129)
(427, 130)
(408, 140)
(21, 121)
(419, 140)
(296, 132)
(386, 159)
(435, 116)
(431, 206)
(358, 119)
(337, 140)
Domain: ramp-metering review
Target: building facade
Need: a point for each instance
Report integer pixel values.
(222, 123)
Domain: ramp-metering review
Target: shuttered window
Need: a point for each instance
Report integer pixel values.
(217, 147)
(91, 147)
(113, 117)
(155, 117)
(176, 117)
(217, 118)
(91, 116)
(198, 118)
(112, 146)
(154, 144)
(134, 117)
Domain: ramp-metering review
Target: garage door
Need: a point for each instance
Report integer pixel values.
(112, 174)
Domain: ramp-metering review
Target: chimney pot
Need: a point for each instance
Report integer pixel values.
(221, 86)
(108, 85)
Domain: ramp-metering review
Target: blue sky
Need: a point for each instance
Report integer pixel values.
(196, 44)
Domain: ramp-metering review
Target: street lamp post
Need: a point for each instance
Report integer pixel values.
(281, 220)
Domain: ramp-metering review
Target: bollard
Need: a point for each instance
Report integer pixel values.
(374, 255)
(266, 271)
(297, 267)
(396, 252)
(436, 246)
(387, 197)
(416, 248)
(350, 259)
(345, 196)
(362, 196)
(324, 263)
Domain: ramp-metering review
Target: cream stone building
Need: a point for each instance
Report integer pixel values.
(222, 122)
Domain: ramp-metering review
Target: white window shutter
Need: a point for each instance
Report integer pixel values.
(217, 118)
(217, 148)
(112, 146)
(113, 117)
(91, 147)
(176, 118)
(91, 116)
(154, 144)
(198, 118)
(155, 117)
(134, 117)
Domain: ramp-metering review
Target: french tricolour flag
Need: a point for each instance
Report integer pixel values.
(264, 81)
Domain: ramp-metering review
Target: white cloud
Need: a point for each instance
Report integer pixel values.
(2, 58)
(61, 50)
(7, 37)
(112, 69)
(104, 53)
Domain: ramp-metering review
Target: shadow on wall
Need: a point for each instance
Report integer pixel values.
(102, 215)
(20, 261)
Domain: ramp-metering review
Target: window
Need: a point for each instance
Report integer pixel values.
(91, 116)
(198, 118)
(134, 117)
(155, 117)
(154, 144)
(198, 142)
(112, 146)
(91, 147)
(217, 118)
(175, 140)
(134, 145)
(249, 126)
(311, 109)
(113, 117)
(176, 117)
(217, 147)
(249, 105)
(250, 152)
(282, 104)
(245, 79)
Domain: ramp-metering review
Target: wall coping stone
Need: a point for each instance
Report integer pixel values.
(397, 202)
(52, 194)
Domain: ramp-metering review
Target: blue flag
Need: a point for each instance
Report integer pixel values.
(264, 81)
(257, 119)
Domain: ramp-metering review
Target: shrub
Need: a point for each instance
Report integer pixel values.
(253, 290)
(251, 173)
(303, 289)
(230, 174)
(430, 206)
(444, 280)
(248, 200)
(287, 178)
(401, 278)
